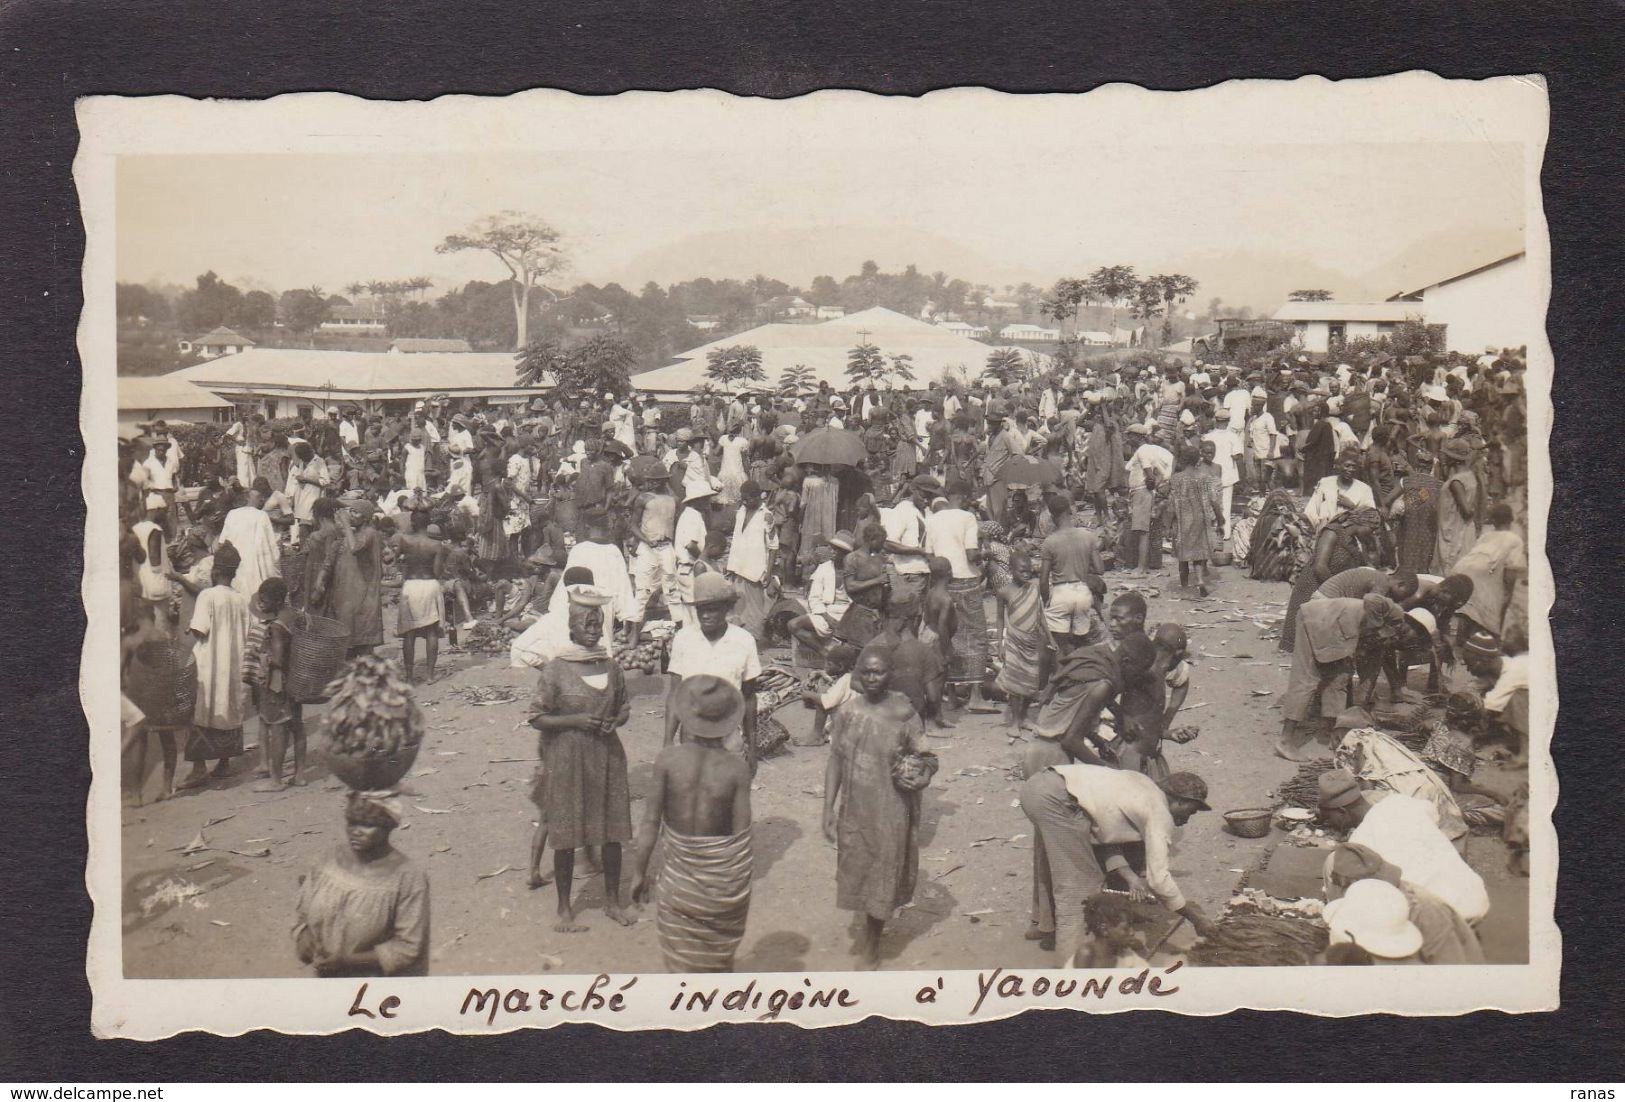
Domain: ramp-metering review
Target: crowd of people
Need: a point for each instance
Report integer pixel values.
(938, 552)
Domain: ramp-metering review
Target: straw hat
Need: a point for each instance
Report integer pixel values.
(713, 589)
(708, 706)
(1375, 916)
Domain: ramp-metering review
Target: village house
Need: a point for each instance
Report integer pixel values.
(1024, 332)
(1324, 326)
(965, 329)
(1490, 307)
(218, 341)
(365, 316)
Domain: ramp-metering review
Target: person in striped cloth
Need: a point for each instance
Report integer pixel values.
(699, 804)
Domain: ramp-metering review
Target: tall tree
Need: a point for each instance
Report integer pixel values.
(1314, 294)
(303, 309)
(735, 363)
(1174, 290)
(596, 366)
(256, 311)
(864, 363)
(1007, 365)
(528, 247)
(1113, 285)
(213, 302)
(795, 380)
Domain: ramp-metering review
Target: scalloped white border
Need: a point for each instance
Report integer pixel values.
(1414, 106)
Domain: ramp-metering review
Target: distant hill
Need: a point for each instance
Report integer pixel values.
(797, 255)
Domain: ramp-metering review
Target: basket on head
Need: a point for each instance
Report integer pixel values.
(1249, 822)
(315, 657)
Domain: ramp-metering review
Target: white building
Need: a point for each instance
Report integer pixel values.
(703, 323)
(1094, 338)
(147, 398)
(965, 329)
(1323, 326)
(366, 317)
(1494, 306)
(827, 312)
(218, 341)
(1025, 332)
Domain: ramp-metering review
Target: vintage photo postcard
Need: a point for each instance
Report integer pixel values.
(676, 558)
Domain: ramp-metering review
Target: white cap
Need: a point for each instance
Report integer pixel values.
(1260, 392)
(1186, 417)
(1426, 619)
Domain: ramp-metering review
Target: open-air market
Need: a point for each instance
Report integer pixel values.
(886, 621)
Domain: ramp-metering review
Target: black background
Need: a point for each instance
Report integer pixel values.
(51, 52)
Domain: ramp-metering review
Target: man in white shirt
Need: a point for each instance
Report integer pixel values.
(750, 557)
(1150, 456)
(348, 433)
(604, 557)
(1077, 810)
(1225, 445)
(827, 601)
(905, 540)
(1265, 438)
(415, 468)
(1403, 831)
(689, 544)
(163, 467)
(1240, 405)
(952, 534)
(711, 645)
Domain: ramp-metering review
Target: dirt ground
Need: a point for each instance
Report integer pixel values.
(210, 876)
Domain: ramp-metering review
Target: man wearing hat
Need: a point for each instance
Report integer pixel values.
(1445, 937)
(1003, 445)
(1328, 633)
(1092, 819)
(1505, 679)
(1404, 831)
(689, 543)
(699, 806)
(826, 596)
(162, 466)
(712, 645)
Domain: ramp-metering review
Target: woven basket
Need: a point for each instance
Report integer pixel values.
(1250, 822)
(162, 682)
(315, 658)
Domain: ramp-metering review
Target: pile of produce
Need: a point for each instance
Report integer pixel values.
(1282, 538)
(649, 656)
(373, 726)
(1303, 789)
(1261, 941)
(486, 637)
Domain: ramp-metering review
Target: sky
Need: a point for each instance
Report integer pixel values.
(985, 201)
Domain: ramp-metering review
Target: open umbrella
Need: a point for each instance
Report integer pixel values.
(831, 447)
(1024, 470)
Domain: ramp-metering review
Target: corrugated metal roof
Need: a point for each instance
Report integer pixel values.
(1346, 311)
(220, 335)
(430, 344)
(357, 372)
(142, 392)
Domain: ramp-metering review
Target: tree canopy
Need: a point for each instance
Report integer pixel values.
(735, 363)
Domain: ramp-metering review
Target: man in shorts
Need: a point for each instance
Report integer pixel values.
(1067, 558)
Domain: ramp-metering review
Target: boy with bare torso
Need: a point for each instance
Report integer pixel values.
(700, 802)
(422, 611)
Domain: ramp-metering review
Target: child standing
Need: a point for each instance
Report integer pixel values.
(282, 718)
(1026, 644)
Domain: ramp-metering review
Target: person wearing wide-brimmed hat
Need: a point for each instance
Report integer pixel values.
(1404, 831)
(827, 600)
(1328, 633)
(712, 645)
(699, 807)
(1445, 936)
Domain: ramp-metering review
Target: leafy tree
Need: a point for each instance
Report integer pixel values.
(213, 302)
(824, 292)
(1173, 290)
(1006, 364)
(538, 360)
(257, 311)
(528, 247)
(900, 367)
(796, 379)
(735, 363)
(597, 366)
(135, 300)
(1113, 285)
(1311, 295)
(864, 363)
(1065, 297)
(303, 309)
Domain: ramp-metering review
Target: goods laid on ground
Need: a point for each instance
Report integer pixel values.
(1257, 940)
(1303, 789)
(1282, 537)
(373, 727)
(651, 653)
